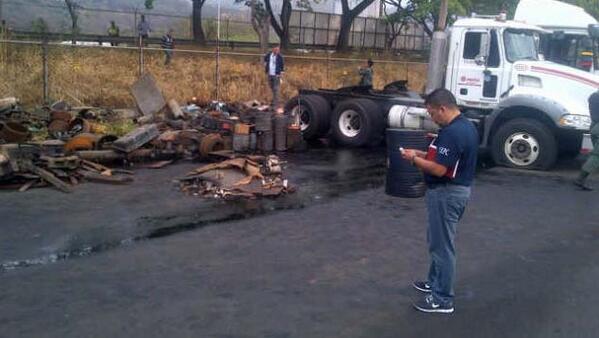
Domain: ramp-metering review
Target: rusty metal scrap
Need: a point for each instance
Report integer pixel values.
(241, 177)
(136, 138)
(30, 165)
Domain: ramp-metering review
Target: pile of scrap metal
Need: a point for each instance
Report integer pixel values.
(240, 127)
(77, 140)
(23, 166)
(249, 176)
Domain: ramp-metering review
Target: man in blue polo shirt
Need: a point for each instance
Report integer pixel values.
(448, 166)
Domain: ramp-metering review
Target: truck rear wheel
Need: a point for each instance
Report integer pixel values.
(314, 114)
(357, 122)
(525, 144)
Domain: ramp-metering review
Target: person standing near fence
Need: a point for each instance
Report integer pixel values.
(274, 66)
(114, 32)
(168, 44)
(143, 30)
(366, 74)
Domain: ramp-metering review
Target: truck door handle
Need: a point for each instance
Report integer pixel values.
(463, 91)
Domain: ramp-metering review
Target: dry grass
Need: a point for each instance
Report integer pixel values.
(102, 77)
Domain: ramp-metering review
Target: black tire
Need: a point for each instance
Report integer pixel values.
(364, 128)
(315, 114)
(524, 144)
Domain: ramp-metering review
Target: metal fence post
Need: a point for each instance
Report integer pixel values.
(328, 66)
(45, 69)
(141, 56)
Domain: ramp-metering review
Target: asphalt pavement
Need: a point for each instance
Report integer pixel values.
(336, 259)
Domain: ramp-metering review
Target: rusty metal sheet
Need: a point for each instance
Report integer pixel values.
(136, 138)
(147, 95)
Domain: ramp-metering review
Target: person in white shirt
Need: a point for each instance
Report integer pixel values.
(274, 67)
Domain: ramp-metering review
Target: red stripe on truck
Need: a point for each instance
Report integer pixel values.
(565, 75)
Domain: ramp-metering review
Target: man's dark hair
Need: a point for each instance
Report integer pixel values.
(370, 63)
(441, 97)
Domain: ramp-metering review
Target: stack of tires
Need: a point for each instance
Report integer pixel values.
(403, 179)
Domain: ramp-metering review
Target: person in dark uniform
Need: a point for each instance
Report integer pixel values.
(448, 166)
(592, 163)
(366, 74)
(114, 32)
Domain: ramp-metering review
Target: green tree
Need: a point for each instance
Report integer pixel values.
(196, 22)
(260, 19)
(348, 15)
(39, 26)
(489, 7)
(397, 15)
(281, 26)
(426, 12)
(72, 7)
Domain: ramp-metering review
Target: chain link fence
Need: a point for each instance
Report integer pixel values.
(322, 29)
(101, 76)
(307, 29)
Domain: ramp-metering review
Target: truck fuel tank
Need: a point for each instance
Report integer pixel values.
(407, 117)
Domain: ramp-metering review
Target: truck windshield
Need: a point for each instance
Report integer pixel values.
(520, 45)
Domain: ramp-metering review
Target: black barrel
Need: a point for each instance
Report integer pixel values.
(403, 179)
(253, 141)
(265, 141)
(264, 121)
(241, 142)
(280, 131)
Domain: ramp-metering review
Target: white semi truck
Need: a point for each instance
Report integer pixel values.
(567, 41)
(527, 110)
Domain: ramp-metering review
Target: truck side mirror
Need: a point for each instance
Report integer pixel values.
(485, 45)
(594, 31)
(480, 60)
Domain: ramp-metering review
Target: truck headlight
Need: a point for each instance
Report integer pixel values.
(529, 81)
(582, 122)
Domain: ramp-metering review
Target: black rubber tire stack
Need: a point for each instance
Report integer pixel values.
(403, 179)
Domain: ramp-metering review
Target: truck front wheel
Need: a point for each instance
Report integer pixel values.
(525, 144)
(357, 122)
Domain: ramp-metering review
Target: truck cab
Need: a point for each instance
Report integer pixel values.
(567, 40)
(529, 109)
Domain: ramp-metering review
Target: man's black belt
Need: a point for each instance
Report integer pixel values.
(444, 184)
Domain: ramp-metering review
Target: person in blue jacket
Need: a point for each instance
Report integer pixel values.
(274, 66)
